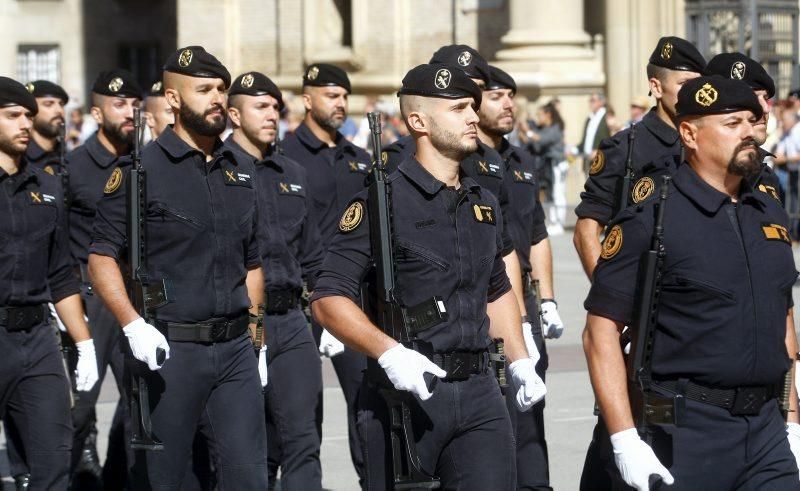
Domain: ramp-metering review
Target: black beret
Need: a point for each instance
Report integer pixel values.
(255, 83)
(323, 74)
(45, 88)
(464, 57)
(195, 61)
(438, 80)
(676, 53)
(716, 95)
(744, 68)
(13, 93)
(157, 89)
(117, 83)
(498, 79)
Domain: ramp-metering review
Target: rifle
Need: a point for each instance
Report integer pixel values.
(648, 407)
(398, 322)
(62, 165)
(624, 189)
(144, 296)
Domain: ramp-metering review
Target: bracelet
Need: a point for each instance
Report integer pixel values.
(525, 319)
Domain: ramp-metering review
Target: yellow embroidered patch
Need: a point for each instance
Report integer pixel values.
(613, 243)
(643, 189)
(352, 217)
(773, 231)
(598, 163)
(114, 181)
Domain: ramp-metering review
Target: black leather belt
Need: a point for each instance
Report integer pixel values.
(211, 331)
(459, 365)
(281, 301)
(740, 401)
(23, 318)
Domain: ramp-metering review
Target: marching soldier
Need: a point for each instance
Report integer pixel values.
(290, 251)
(674, 61)
(202, 249)
(529, 234)
(37, 269)
(43, 150)
(724, 335)
(447, 232)
(336, 170)
(114, 95)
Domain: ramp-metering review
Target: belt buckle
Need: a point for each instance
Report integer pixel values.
(218, 331)
(748, 401)
(458, 366)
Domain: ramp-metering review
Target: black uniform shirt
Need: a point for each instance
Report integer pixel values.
(201, 227)
(656, 144)
(525, 222)
(35, 263)
(485, 166)
(90, 166)
(335, 174)
(447, 243)
(36, 156)
(288, 237)
(727, 280)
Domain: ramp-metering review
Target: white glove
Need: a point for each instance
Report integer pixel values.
(262, 366)
(552, 326)
(145, 341)
(797, 376)
(530, 343)
(86, 374)
(406, 368)
(61, 326)
(330, 346)
(636, 461)
(530, 387)
(793, 434)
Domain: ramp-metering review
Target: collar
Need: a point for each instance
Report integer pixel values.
(19, 179)
(664, 132)
(313, 143)
(508, 151)
(703, 195)
(98, 152)
(414, 172)
(179, 149)
(34, 151)
(271, 159)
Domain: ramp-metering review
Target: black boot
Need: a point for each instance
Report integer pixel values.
(22, 482)
(88, 472)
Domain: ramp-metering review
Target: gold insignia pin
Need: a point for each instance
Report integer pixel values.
(384, 157)
(156, 87)
(36, 197)
(643, 189)
(442, 78)
(185, 58)
(247, 81)
(706, 95)
(598, 163)
(352, 216)
(284, 187)
(353, 166)
(518, 175)
(666, 51)
(465, 58)
(613, 243)
(770, 190)
(29, 86)
(116, 84)
(230, 176)
(114, 180)
(737, 70)
(313, 72)
(483, 213)
(483, 166)
(49, 169)
(774, 231)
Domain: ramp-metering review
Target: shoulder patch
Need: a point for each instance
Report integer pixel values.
(114, 181)
(352, 217)
(642, 190)
(770, 190)
(598, 163)
(613, 243)
(773, 231)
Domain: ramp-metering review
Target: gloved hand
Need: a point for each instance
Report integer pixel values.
(406, 368)
(86, 374)
(330, 346)
(530, 343)
(262, 366)
(552, 326)
(636, 461)
(61, 326)
(145, 341)
(530, 387)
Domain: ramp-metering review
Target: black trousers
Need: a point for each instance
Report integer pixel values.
(295, 382)
(349, 367)
(34, 392)
(714, 450)
(463, 436)
(532, 459)
(213, 388)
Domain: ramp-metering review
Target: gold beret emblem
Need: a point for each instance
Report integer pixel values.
(312, 73)
(247, 81)
(29, 86)
(185, 58)
(706, 95)
(666, 51)
(156, 87)
(114, 180)
(116, 84)
(352, 217)
(613, 243)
